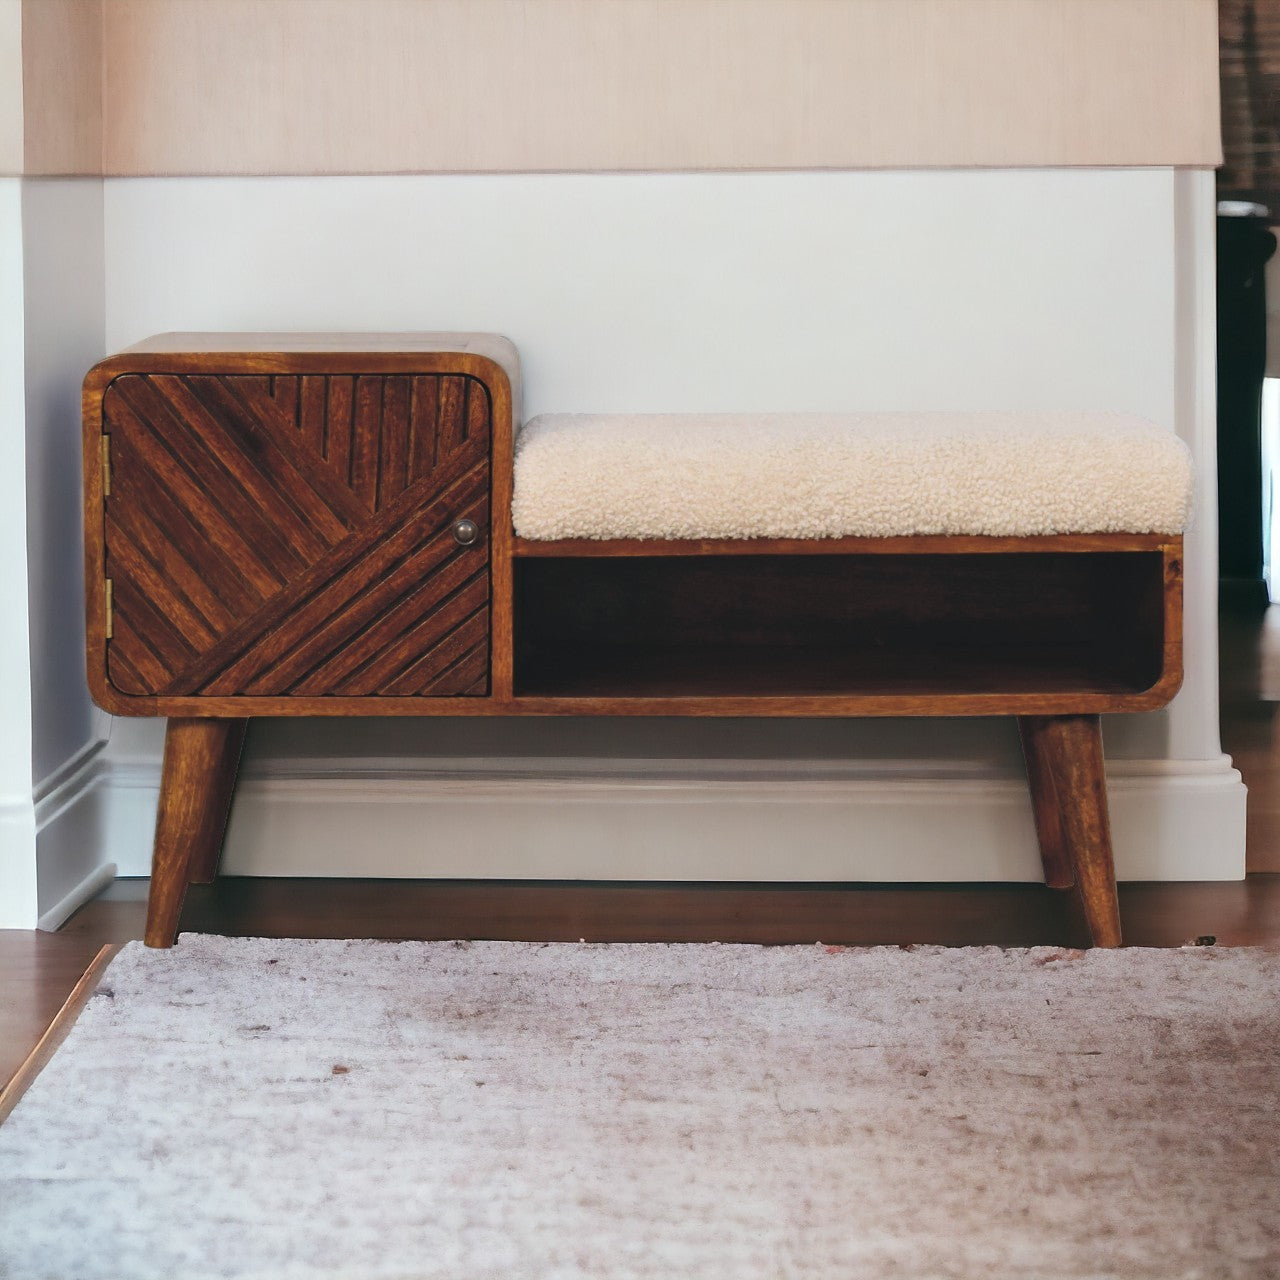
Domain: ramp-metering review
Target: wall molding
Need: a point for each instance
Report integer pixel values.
(68, 811)
(64, 784)
(80, 893)
(18, 894)
(683, 820)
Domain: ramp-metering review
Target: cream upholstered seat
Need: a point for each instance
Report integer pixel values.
(848, 474)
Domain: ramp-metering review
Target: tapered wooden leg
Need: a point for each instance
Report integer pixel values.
(1045, 805)
(1069, 750)
(206, 850)
(194, 790)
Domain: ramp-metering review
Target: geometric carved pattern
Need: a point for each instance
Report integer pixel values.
(290, 534)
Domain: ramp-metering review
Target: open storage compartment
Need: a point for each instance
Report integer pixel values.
(635, 626)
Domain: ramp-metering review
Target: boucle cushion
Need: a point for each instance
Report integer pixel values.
(849, 474)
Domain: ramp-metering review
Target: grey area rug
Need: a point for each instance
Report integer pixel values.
(294, 1110)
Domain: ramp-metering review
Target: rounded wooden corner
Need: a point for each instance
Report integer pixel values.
(497, 384)
(1152, 698)
(1164, 690)
(487, 370)
(104, 373)
(112, 700)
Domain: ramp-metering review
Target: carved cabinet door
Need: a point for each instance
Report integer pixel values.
(297, 535)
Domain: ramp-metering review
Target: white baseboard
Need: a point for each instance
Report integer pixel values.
(684, 820)
(71, 865)
(18, 908)
(90, 887)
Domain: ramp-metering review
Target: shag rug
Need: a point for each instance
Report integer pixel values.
(293, 1110)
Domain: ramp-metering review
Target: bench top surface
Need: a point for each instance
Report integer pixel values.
(847, 475)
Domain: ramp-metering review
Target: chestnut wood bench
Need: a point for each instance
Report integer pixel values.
(323, 525)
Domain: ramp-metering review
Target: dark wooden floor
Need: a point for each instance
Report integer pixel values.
(38, 971)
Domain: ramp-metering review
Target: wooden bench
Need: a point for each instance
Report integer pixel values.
(323, 526)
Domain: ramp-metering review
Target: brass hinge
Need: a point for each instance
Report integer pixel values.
(106, 466)
(111, 618)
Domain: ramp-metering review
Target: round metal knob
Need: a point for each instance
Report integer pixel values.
(465, 532)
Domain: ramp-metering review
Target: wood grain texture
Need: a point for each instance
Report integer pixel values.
(274, 532)
(194, 789)
(1046, 804)
(502, 478)
(206, 843)
(933, 626)
(341, 86)
(55, 1033)
(38, 971)
(1069, 748)
(818, 706)
(273, 426)
(1168, 914)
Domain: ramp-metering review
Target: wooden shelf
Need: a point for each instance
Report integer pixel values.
(945, 627)
(631, 671)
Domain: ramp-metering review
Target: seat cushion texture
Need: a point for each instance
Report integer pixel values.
(673, 476)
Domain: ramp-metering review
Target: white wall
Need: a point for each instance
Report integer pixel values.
(64, 319)
(52, 843)
(65, 310)
(953, 289)
(956, 289)
(17, 812)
